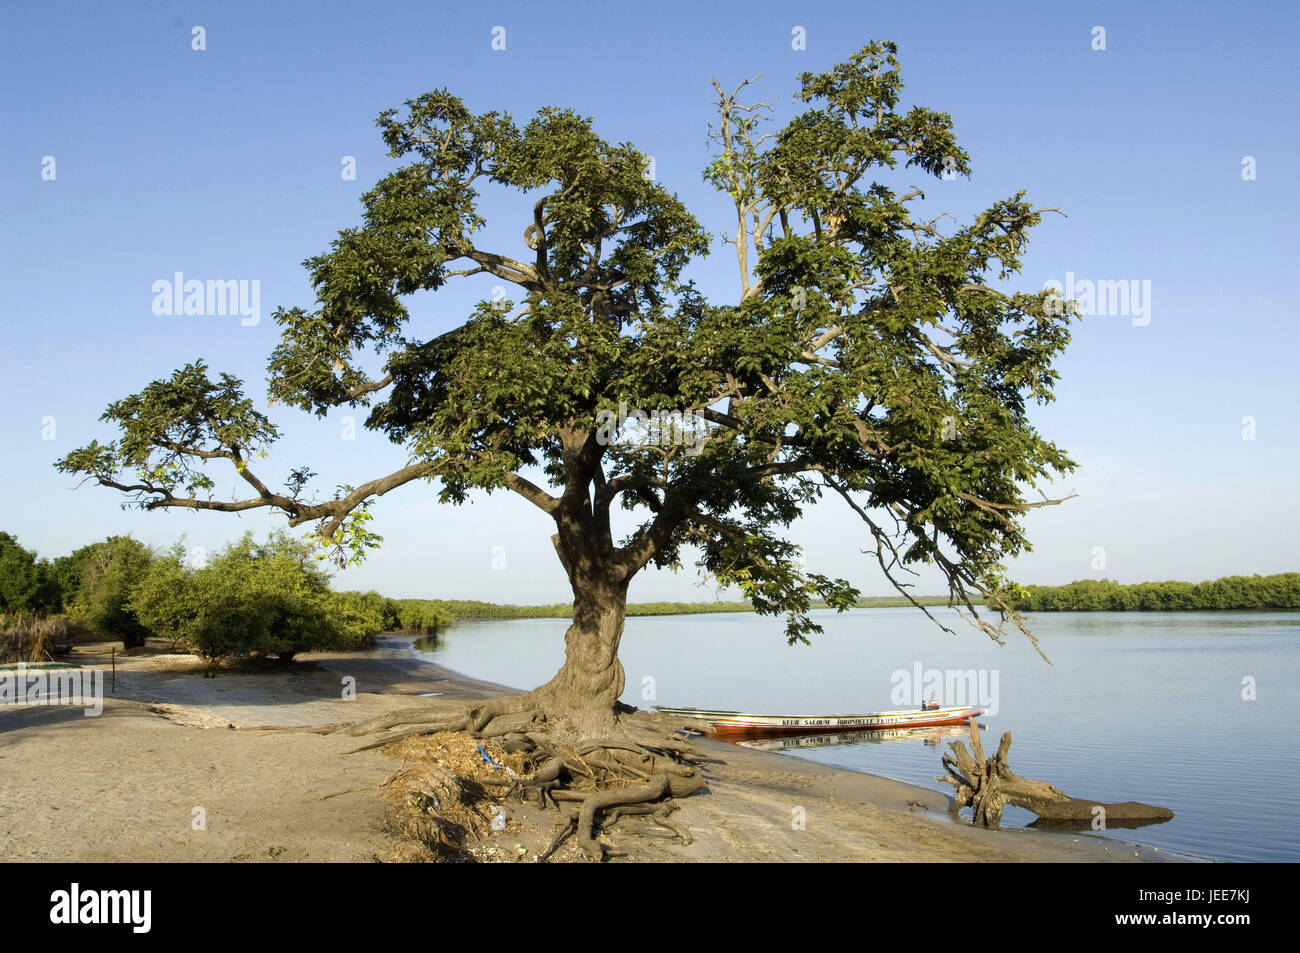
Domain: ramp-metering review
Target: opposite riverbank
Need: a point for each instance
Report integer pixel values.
(184, 768)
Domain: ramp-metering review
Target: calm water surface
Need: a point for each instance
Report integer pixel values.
(1140, 706)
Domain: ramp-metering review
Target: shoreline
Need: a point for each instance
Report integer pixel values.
(884, 789)
(241, 749)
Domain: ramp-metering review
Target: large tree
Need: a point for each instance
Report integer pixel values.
(867, 357)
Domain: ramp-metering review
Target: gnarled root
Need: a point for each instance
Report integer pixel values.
(615, 778)
(405, 716)
(635, 767)
(658, 813)
(652, 790)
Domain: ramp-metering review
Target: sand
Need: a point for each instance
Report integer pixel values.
(185, 768)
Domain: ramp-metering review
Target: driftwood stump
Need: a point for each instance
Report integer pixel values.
(989, 784)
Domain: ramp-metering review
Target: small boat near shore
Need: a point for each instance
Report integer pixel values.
(741, 723)
(933, 737)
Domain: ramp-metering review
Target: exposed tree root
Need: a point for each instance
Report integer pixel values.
(561, 836)
(635, 767)
(300, 729)
(654, 789)
(659, 813)
(404, 716)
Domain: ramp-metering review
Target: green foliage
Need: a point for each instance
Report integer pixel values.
(363, 615)
(67, 572)
(162, 425)
(172, 603)
(1280, 591)
(27, 584)
(101, 579)
(427, 616)
(269, 598)
(685, 608)
(867, 356)
(350, 541)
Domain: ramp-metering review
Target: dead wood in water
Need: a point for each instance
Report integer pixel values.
(989, 784)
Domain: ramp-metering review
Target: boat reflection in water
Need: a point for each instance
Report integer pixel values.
(933, 737)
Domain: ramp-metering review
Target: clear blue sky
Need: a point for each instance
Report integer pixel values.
(225, 164)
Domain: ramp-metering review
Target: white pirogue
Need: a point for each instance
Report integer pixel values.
(735, 722)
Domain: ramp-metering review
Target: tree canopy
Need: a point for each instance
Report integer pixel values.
(870, 354)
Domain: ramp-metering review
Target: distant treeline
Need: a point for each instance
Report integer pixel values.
(1281, 591)
(424, 615)
(427, 615)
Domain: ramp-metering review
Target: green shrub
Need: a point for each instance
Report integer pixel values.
(363, 615)
(106, 574)
(270, 598)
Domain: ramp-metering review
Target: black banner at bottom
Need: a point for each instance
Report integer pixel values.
(140, 903)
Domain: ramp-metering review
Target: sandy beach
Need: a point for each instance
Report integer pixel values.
(173, 749)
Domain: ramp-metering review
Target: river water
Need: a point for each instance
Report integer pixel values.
(1190, 711)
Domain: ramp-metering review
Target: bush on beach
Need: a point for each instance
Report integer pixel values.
(269, 598)
(98, 581)
(422, 616)
(363, 615)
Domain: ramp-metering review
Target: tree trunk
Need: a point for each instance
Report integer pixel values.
(581, 700)
(580, 745)
(585, 689)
